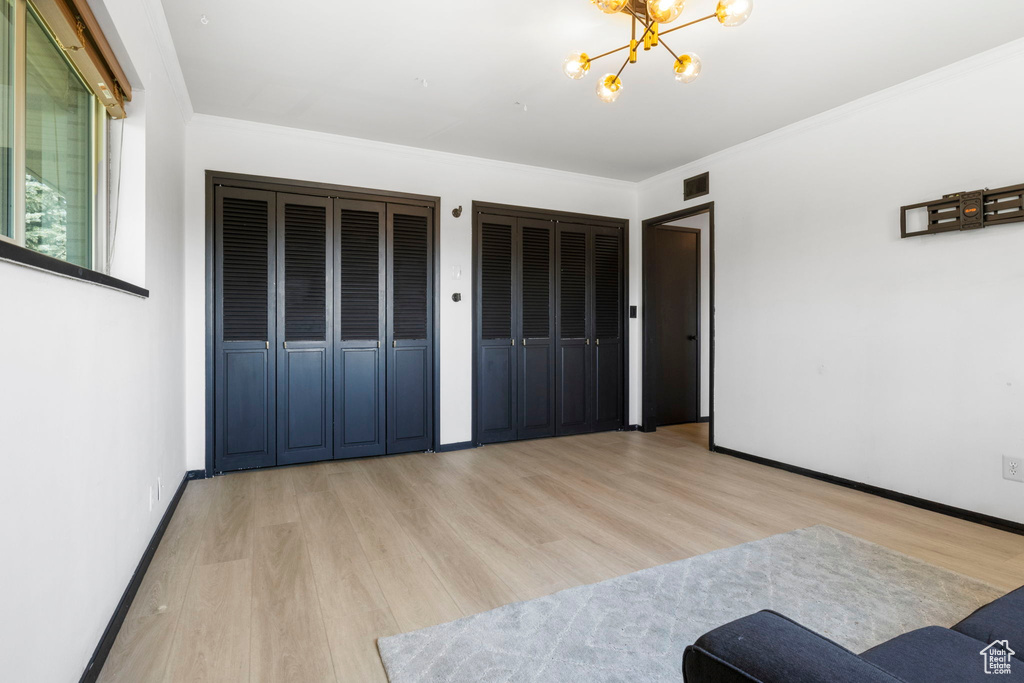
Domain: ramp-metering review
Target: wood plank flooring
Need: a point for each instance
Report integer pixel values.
(292, 574)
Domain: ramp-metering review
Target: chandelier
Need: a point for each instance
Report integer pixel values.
(649, 15)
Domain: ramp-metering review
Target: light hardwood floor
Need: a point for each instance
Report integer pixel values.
(292, 574)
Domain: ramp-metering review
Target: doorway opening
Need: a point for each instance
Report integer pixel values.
(678, 319)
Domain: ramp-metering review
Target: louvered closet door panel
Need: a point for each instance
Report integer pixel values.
(608, 324)
(536, 355)
(573, 413)
(244, 375)
(410, 334)
(360, 324)
(305, 360)
(496, 355)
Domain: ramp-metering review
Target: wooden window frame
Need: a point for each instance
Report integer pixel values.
(76, 30)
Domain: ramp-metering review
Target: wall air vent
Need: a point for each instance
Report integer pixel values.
(697, 186)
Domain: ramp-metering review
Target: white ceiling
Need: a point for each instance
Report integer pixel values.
(351, 68)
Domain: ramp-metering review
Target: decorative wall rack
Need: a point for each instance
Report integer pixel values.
(964, 211)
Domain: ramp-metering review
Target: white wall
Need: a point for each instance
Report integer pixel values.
(841, 347)
(92, 408)
(228, 145)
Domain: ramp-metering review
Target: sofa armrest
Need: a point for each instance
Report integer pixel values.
(769, 648)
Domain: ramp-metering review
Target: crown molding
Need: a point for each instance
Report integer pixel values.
(169, 56)
(982, 60)
(418, 153)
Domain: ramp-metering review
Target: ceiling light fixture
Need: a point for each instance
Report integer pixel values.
(649, 15)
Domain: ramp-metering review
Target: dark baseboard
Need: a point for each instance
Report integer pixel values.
(460, 446)
(99, 656)
(923, 503)
(706, 418)
(631, 428)
(195, 474)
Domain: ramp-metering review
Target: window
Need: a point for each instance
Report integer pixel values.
(6, 117)
(59, 83)
(59, 147)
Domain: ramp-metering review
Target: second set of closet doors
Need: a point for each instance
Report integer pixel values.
(324, 328)
(549, 327)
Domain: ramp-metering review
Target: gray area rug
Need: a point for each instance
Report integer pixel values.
(635, 627)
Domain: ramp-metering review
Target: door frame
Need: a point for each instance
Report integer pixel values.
(649, 296)
(272, 184)
(513, 211)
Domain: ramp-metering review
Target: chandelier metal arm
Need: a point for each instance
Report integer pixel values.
(695, 21)
(645, 24)
(623, 68)
(669, 50)
(610, 52)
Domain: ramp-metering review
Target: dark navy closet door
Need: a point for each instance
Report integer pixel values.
(244, 281)
(410, 314)
(360, 326)
(536, 325)
(607, 273)
(573, 410)
(496, 351)
(305, 413)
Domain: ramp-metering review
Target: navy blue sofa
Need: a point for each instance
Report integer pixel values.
(769, 648)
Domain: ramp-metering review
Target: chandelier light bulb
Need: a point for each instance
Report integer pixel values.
(734, 12)
(610, 6)
(576, 65)
(609, 87)
(687, 68)
(664, 11)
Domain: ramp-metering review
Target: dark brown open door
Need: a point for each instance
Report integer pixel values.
(675, 277)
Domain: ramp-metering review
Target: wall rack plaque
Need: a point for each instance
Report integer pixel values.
(963, 211)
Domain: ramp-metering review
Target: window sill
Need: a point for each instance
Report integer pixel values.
(33, 259)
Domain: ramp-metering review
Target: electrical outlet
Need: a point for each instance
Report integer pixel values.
(150, 498)
(1013, 468)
